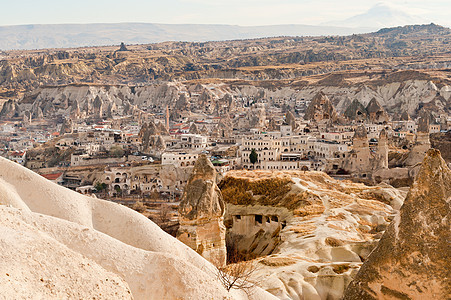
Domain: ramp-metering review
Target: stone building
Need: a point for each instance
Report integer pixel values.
(201, 214)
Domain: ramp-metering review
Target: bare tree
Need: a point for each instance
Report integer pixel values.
(154, 195)
(164, 215)
(238, 276)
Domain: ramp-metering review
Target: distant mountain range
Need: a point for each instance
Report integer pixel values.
(379, 16)
(81, 35)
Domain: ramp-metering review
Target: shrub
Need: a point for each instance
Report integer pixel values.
(139, 207)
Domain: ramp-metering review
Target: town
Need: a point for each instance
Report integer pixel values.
(125, 151)
(289, 167)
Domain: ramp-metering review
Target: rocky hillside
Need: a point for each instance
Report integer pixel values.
(395, 91)
(307, 233)
(403, 69)
(257, 59)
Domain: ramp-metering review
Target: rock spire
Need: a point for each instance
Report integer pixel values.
(201, 213)
(412, 259)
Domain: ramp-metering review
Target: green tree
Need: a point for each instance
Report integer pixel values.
(117, 151)
(253, 157)
(100, 186)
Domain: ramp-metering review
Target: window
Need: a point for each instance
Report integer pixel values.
(258, 219)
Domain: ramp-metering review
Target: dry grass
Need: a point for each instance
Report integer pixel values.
(139, 206)
(309, 210)
(304, 229)
(241, 191)
(331, 241)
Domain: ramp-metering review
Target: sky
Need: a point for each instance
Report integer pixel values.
(233, 12)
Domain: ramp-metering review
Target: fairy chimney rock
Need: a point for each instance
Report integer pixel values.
(382, 150)
(201, 213)
(412, 259)
(422, 143)
(193, 129)
(355, 111)
(321, 108)
(360, 134)
(376, 112)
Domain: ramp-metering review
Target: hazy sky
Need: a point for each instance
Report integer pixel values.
(236, 12)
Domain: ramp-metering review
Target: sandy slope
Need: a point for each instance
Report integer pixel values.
(111, 237)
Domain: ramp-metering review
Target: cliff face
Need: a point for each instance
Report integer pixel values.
(201, 214)
(412, 259)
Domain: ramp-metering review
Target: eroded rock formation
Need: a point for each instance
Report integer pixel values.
(193, 129)
(373, 112)
(290, 120)
(356, 111)
(151, 140)
(362, 160)
(9, 109)
(412, 259)
(67, 126)
(201, 213)
(320, 109)
(422, 144)
(376, 112)
(309, 232)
